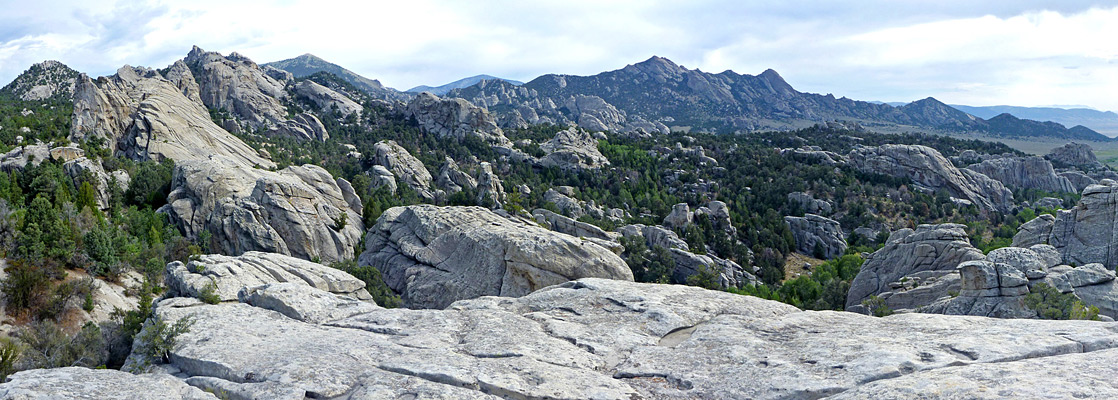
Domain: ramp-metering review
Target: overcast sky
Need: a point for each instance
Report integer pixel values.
(1026, 53)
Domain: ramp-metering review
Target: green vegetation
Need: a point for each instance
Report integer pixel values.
(1049, 303)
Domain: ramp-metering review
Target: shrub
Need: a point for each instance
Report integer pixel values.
(877, 307)
(158, 339)
(374, 282)
(1049, 303)
(207, 294)
(9, 355)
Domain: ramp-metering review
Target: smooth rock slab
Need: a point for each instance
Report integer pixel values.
(96, 384)
(228, 275)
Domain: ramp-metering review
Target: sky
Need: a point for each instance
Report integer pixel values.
(1023, 53)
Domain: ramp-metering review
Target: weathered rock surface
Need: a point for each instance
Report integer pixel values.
(453, 180)
(489, 186)
(100, 179)
(809, 204)
(327, 100)
(306, 303)
(226, 276)
(571, 226)
(607, 339)
(238, 85)
(935, 250)
(813, 230)
(454, 118)
(97, 384)
(146, 116)
(1024, 173)
(405, 167)
(927, 167)
(434, 256)
(987, 289)
(573, 149)
(1084, 234)
(654, 236)
(680, 216)
(304, 126)
(300, 211)
(1075, 155)
(381, 176)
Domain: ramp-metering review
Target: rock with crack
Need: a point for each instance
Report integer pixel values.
(928, 168)
(988, 289)
(146, 117)
(300, 210)
(563, 199)
(304, 126)
(571, 226)
(408, 169)
(306, 303)
(238, 85)
(933, 250)
(226, 276)
(607, 339)
(814, 233)
(573, 149)
(1075, 155)
(95, 384)
(434, 256)
(455, 118)
(809, 204)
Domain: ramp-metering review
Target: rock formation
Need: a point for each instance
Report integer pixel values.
(680, 216)
(1024, 173)
(453, 180)
(573, 149)
(92, 384)
(454, 118)
(45, 80)
(928, 168)
(1084, 234)
(809, 204)
(327, 100)
(608, 339)
(1078, 179)
(812, 231)
(434, 256)
(303, 126)
(489, 186)
(929, 252)
(146, 117)
(99, 179)
(408, 169)
(1075, 155)
(300, 211)
(225, 276)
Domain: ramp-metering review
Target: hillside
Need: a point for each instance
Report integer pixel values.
(459, 84)
(309, 64)
(1104, 122)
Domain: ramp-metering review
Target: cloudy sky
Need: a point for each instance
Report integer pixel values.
(1027, 53)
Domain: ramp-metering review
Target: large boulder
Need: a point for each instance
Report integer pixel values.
(300, 210)
(988, 289)
(1084, 234)
(1024, 173)
(434, 256)
(405, 167)
(96, 384)
(454, 118)
(146, 117)
(935, 250)
(489, 186)
(809, 204)
(326, 99)
(1075, 155)
(608, 339)
(573, 149)
(452, 180)
(226, 276)
(812, 231)
(928, 168)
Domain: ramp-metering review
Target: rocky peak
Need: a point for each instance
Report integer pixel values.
(659, 68)
(776, 82)
(454, 118)
(43, 81)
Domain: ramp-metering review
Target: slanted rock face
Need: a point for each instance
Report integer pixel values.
(227, 275)
(812, 230)
(404, 167)
(90, 384)
(147, 117)
(327, 99)
(594, 114)
(1084, 234)
(562, 199)
(809, 204)
(434, 256)
(489, 186)
(238, 85)
(571, 226)
(1078, 179)
(455, 118)
(573, 149)
(303, 126)
(928, 248)
(608, 339)
(180, 75)
(928, 168)
(300, 211)
(1024, 173)
(453, 180)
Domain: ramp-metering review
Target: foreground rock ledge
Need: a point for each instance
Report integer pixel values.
(605, 339)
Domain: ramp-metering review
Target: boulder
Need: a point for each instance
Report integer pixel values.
(408, 169)
(813, 231)
(381, 176)
(570, 226)
(454, 118)
(19, 157)
(680, 216)
(302, 302)
(95, 384)
(654, 236)
(489, 186)
(1078, 179)
(1075, 155)
(808, 204)
(1084, 234)
(434, 256)
(927, 248)
(1050, 202)
(1024, 173)
(573, 149)
(326, 99)
(304, 126)
(730, 274)
(563, 200)
(226, 276)
(1035, 231)
(300, 210)
(453, 180)
(928, 168)
(608, 339)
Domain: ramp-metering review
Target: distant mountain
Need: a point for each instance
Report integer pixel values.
(458, 84)
(1105, 122)
(45, 80)
(309, 64)
(658, 94)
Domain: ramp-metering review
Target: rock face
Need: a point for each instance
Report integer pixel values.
(408, 169)
(680, 216)
(434, 256)
(303, 126)
(101, 180)
(93, 384)
(934, 250)
(489, 186)
(988, 289)
(812, 230)
(573, 149)
(327, 99)
(607, 339)
(300, 211)
(453, 180)
(928, 168)
(809, 204)
(1078, 179)
(1024, 173)
(227, 275)
(570, 226)
(1075, 155)
(147, 117)
(1084, 234)
(454, 118)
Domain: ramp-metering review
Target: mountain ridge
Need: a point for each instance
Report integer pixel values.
(308, 64)
(458, 84)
